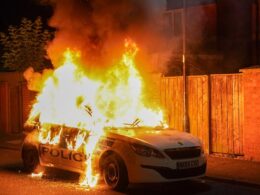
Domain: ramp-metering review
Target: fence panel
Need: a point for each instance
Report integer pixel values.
(227, 114)
(4, 107)
(198, 108)
(172, 100)
(15, 109)
(27, 101)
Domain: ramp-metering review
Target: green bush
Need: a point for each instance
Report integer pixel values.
(25, 45)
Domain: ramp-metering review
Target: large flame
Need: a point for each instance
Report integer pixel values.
(69, 97)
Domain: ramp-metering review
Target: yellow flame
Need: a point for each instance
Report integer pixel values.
(37, 175)
(69, 97)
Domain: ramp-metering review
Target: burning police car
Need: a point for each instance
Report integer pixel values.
(123, 155)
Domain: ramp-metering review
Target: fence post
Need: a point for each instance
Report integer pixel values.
(209, 116)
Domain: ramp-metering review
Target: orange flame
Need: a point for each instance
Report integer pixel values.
(37, 175)
(69, 97)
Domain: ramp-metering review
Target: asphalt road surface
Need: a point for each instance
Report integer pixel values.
(14, 181)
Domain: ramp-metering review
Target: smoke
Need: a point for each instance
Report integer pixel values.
(98, 28)
(35, 80)
(200, 38)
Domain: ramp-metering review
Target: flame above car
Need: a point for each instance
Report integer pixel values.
(69, 96)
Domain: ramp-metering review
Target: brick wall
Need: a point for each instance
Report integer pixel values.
(251, 79)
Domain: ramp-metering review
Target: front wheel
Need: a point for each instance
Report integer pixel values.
(115, 173)
(30, 159)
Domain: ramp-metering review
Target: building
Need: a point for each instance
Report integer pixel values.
(221, 36)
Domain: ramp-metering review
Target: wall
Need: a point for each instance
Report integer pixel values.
(222, 28)
(251, 79)
(235, 33)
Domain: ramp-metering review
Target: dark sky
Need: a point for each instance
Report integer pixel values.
(12, 11)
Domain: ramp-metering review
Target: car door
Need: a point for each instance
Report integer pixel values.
(49, 148)
(72, 157)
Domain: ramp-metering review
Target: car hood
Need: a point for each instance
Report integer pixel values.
(161, 139)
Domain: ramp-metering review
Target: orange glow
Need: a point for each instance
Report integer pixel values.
(69, 97)
(37, 175)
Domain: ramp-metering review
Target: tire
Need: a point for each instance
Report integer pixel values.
(30, 159)
(115, 173)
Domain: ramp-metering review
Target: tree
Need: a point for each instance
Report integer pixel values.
(25, 45)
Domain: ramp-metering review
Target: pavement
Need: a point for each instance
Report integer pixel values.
(234, 170)
(220, 168)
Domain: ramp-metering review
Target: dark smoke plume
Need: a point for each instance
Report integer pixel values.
(98, 28)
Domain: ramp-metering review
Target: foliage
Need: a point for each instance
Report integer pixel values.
(25, 45)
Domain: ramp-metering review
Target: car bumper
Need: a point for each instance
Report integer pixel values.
(169, 173)
(157, 172)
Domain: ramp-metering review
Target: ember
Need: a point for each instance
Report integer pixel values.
(37, 175)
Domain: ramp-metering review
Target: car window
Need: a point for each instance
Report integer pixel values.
(73, 138)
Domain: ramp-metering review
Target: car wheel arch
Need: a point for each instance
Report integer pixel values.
(30, 152)
(105, 155)
(112, 156)
(26, 147)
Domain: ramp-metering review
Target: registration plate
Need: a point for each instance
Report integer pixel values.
(187, 164)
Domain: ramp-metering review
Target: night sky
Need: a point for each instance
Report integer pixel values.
(12, 11)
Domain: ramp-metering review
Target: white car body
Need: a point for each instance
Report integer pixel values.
(151, 169)
(149, 155)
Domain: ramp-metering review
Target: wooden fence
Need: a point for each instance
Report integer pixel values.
(15, 101)
(227, 114)
(4, 107)
(172, 101)
(215, 109)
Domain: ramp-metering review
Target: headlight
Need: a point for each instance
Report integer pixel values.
(146, 151)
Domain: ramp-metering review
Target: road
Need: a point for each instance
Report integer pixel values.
(14, 181)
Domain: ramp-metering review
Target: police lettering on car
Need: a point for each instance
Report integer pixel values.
(60, 153)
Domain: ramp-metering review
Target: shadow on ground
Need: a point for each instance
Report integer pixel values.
(14, 168)
(49, 173)
(184, 187)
